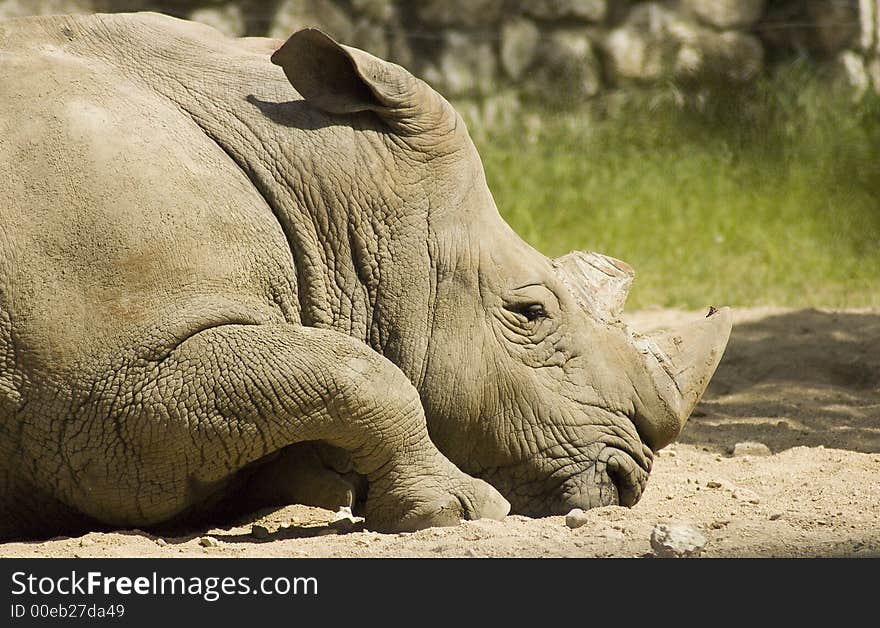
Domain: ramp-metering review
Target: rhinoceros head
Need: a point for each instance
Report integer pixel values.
(528, 377)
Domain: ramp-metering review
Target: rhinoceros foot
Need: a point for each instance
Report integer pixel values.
(431, 500)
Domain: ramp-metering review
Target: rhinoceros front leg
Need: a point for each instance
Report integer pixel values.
(251, 390)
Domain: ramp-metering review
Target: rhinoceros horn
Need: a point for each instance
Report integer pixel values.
(342, 80)
(598, 283)
(678, 363)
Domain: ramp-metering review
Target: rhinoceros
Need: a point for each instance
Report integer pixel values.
(241, 272)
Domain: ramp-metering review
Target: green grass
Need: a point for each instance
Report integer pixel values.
(766, 195)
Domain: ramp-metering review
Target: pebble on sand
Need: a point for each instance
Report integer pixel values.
(208, 541)
(677, 540)
(576, 518)
(751, 448)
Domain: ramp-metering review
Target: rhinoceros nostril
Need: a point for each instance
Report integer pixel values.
(628, 477)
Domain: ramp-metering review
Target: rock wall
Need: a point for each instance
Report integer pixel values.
(552, 49)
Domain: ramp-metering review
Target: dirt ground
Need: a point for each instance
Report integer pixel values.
(806, 383)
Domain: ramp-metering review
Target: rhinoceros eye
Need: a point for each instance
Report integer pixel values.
(531, 311)
(530, 304)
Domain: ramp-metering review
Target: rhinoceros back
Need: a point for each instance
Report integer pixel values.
(121, 218)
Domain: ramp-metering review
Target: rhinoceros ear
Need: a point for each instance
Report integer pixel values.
(340, 79)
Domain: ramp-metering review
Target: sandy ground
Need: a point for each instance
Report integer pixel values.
(806, 383)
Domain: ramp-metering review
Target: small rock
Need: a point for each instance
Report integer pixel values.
(751, 448)
(86, 542)
(745, 495)
(576, 518)
(677, 540)
(259, 531)
(718, 524)
(470, 553)
(161, 542)
(727, 13)
(713, 484)
(208, 541)
(775, 516)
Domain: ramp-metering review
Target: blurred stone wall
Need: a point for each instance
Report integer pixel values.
(552, 49)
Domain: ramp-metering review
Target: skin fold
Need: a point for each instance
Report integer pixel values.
(243, 272)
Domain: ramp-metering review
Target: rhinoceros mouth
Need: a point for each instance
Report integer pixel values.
(618, 477)
(612, 475)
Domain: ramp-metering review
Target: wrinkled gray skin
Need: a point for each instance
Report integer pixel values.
(225, 280)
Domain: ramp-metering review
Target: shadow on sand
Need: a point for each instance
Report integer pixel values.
(806, 377)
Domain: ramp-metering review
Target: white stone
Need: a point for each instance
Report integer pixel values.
(576, 518)
(751, 448)
(677, 540)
